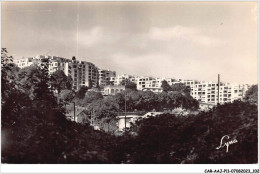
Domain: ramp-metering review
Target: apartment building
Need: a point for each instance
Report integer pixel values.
(152, 84)
(87, 74)
(83, 73)
(204, 92)
(207, 92)
(24, 62)
(105, 77)
(119, 78)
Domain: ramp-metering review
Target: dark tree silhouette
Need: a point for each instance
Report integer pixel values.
(252, 94)
(165, 86)
(59, 81)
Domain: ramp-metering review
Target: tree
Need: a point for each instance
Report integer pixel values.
(147, 101)
(5, 59)
(165, 86)
(28, 77)
(90, 97)
(164, 101)
(104, 112)
(81, 92)
(252, 95)
(128, 84)
(9, 72)
(67, 95)
(182, 88)
(59, 81)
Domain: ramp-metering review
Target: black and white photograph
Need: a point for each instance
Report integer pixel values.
(153, 82)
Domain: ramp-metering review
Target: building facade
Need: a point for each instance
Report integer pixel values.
(113, 89)
(105, 77)
(207, 92)
(83, 73)
(87, 74)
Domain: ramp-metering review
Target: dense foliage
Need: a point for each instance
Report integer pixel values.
(59, 81)
(128, 84)
(252, 94)
(193, 138)
(34, 128)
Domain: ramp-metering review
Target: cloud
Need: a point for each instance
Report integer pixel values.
(91, 37)
(169, 33)
(181, 33)
(150, 64)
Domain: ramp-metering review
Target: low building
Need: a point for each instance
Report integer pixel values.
(112, 90)
(149, 114)
(128, 119)
(206, 106)
(24, 62)
(154, 90)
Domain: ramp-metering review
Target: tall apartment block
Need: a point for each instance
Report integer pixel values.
(83, 73)
(106, 77)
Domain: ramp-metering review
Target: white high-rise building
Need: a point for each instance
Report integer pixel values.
(105, 77)
(207, 92)
(83, 73)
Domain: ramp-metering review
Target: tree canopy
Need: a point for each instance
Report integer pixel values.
(59, 81)
(81, 92)
(165, 86)
(128, 84)
(193, 139)
(252, 94)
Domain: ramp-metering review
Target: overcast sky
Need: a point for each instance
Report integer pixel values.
(189, 40)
